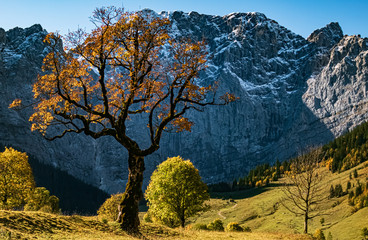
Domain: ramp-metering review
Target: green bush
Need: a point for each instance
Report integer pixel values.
(54, 203)
(234, 227)
(167, 205)
(109, 209)
(216, 225)
(319, 235)
(200, 226)
(40, 200)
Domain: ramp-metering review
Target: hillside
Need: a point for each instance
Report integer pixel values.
(260, 208)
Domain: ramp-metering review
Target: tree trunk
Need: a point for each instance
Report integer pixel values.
(306, 222)
(128, 208)
(182, 221)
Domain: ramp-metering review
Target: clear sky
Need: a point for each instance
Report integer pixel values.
(300, 16)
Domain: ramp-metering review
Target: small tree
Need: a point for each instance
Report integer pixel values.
(175, 192)
(16, 178)
(303, 189)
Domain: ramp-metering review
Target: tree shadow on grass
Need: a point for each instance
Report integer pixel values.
(246, 193)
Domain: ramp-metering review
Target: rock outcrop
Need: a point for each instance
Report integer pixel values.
(293, 92)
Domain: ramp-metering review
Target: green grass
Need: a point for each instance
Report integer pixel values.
(264, 213)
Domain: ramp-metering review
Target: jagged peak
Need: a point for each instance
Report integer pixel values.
(14, 33)
(327, 36)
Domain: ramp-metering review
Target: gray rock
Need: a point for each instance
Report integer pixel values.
(292, 92)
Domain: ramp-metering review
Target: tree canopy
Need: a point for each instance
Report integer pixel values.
(128, 68)
(16, 178)
(175, 192)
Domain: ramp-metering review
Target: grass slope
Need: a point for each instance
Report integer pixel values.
(262, 211)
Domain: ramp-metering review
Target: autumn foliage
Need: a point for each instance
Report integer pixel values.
(16, 179)
(127, 68)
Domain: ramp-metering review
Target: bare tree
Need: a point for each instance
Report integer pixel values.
(303, 189)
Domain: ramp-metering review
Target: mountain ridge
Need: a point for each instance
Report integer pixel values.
(283, 81)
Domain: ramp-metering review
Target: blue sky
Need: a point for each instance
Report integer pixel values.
(300, 16)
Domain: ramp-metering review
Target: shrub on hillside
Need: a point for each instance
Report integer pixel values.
(109, 209)
(200, 226)
(40, 200)
(365, 233)
(319, 235)
(234, 227)
(216, 225)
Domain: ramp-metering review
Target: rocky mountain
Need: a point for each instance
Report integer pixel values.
(293, 93)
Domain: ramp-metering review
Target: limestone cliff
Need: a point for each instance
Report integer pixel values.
(293, 92)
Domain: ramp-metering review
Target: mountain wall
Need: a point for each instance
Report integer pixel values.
(293, 93)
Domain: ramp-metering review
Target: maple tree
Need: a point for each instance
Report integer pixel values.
(128, 67)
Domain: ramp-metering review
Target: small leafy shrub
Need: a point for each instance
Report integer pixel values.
(319, 235)
(200, 226)
(234, 227)
(365, 233)
(109, 209)
(216, 225)
(247, 229)
(322, 221)
(40, 200)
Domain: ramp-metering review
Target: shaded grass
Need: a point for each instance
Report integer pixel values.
(37, 225)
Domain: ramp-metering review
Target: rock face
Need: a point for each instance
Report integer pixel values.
(293, 93)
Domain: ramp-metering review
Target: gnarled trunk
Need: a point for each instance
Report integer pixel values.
(128, 208)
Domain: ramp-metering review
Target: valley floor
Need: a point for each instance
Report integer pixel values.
(259, 209)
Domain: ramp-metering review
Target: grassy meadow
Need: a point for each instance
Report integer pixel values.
(259, 208)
